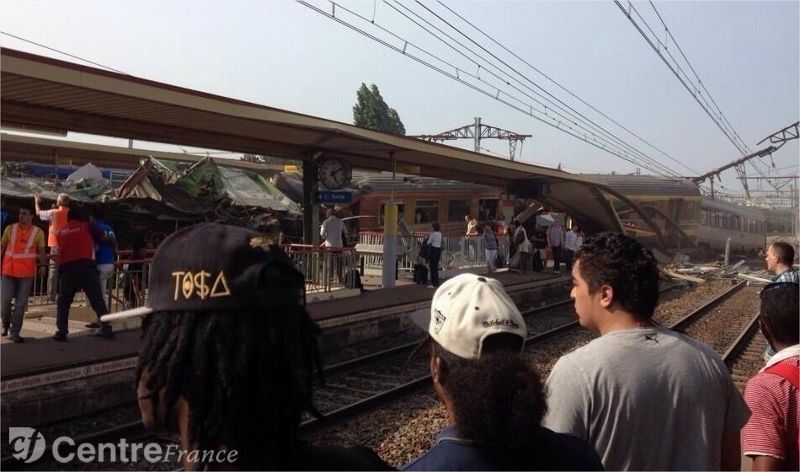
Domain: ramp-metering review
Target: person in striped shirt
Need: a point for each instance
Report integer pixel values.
(771, 436)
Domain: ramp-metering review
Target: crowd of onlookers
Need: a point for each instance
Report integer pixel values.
(236, 371)
(229, 357)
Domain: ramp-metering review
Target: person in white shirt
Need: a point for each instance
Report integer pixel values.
(434, 254)
(570, 246)
(331, 230)
(555, 239)
(520, 237)
(332, 233)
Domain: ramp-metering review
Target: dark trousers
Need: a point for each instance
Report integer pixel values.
(524, 262)
(557, 251)
(72, 279)
(434, 254)
(569, 256)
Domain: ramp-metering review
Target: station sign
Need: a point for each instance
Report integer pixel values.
(334, 197)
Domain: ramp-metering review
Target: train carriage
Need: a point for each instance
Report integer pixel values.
(745, 226)
(686, 219)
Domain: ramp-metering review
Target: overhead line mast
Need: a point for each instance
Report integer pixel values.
(477, 132)
(777, 139)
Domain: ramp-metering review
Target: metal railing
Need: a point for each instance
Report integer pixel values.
(125, 288)
(324, 268)
(458, 251)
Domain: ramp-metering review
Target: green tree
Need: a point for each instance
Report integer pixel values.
(370, 111)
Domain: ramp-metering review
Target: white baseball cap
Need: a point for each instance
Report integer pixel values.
(467, 309)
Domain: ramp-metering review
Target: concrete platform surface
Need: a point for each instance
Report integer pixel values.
(41, 354)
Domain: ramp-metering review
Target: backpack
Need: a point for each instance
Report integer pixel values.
(424, 249)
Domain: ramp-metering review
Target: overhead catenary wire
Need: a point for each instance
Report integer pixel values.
(693, 91)
(458, 75)
(723, 120)
(644, 157)
(560, 86)
(64, 53)
(555, 104)
(699, 81)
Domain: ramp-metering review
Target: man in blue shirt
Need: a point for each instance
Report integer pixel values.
(105, 249)
(493, 396)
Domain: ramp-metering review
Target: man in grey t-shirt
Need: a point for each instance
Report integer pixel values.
(645, 397)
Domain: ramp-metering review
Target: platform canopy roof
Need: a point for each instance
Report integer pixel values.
(40, 93)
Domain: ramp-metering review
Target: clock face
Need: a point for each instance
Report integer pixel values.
(335, 173)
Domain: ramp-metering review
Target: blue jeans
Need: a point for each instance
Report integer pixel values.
(18, 289)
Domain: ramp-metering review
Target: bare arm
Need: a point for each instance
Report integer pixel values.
(764, 463)
(731, 452)
(36, 203)
(42, 255)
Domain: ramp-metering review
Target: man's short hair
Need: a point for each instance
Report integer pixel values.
(436, 226)
(27, 208)
(625, 265)
(63, 199)
(784, 252)
(779, 310)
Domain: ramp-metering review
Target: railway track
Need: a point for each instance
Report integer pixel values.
(376, 379)
(734, 334)
(410, 383)
(745, 355)
(367, 382)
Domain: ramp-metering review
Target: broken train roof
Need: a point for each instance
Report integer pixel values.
(202, 186)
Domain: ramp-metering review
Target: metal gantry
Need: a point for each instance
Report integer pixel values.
(777, 140)
(476, 132)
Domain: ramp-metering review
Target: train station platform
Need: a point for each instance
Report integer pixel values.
(91, 370)
(39, 353)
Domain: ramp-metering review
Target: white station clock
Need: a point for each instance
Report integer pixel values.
(335, 173)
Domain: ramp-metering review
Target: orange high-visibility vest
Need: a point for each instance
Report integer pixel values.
(21, 252)
(58, 221)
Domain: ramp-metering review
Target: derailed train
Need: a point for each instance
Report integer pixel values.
(686, 219)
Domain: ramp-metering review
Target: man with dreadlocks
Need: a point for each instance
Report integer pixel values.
(229, 353)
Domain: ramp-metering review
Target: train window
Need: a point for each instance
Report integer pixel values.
(456, 209)
(427, 211)
(401, 208)
(703, 217)
(717, 219)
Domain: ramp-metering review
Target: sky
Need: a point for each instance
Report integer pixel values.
(285, 55)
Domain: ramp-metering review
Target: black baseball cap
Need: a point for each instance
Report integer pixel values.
(216, 267)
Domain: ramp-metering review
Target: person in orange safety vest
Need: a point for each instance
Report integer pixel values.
(22, 245)
(57, 216)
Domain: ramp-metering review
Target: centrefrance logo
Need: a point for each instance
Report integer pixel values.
(28, 445)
